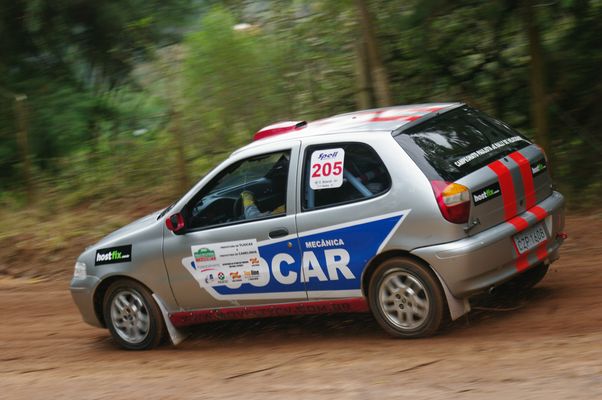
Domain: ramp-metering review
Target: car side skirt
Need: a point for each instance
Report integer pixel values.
(188, 318)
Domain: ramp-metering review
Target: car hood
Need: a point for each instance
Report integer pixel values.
(128, 230)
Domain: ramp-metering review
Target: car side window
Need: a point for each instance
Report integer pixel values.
(340, 173)
(249, 189)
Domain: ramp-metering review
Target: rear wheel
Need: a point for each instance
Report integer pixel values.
(406, 298)
(132, 316)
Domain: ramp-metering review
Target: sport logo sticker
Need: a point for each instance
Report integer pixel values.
(235, 276)
(486, 193)
(251, 275)
(113, 255)
(204, 255)
(209, 278)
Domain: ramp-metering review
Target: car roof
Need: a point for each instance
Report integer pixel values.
(386, 119)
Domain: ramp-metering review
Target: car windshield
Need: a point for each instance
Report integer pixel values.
(458, 142)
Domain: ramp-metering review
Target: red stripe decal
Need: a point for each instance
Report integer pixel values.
(527, 176)
(186, 318)
(539, 212)
(519, 223)
(542, 251)
(396, 118)
(522, 263)
(507, 186)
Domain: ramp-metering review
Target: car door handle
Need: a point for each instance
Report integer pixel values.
(276, 233)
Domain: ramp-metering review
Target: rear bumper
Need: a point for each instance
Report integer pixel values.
(489, 258)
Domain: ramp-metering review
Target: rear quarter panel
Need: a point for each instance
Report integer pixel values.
(410, 189)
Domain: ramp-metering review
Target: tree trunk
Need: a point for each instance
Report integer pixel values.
(363, 96)
(175, 128)
(23, 142)
(380, 82)
(539, 106)
(172, 73)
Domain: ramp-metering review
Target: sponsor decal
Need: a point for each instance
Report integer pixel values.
(487, 193)
(209, 278)
(236, 254)
(328, 260)
(487, 149)
(204, 255)
(251, 275)
(326, 169)
(538, 167)
(113, 255)
(228, 261)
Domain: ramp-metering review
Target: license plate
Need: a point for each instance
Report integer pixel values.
(530, 238)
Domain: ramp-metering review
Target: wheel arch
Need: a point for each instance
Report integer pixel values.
(379, 259)
(101, 290)
(455, 307)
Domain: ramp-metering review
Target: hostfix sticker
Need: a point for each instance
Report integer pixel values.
(487, 193)
(113, 255)
(538, 167)
(326, 170)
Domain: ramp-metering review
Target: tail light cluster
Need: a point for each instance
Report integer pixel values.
(453, 200)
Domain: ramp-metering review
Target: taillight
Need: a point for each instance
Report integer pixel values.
(453, 200)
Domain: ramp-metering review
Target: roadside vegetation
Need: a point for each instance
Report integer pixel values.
(112, 109)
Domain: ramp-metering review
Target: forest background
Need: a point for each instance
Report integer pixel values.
(110, 109)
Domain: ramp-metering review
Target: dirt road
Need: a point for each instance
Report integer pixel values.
(547, 345)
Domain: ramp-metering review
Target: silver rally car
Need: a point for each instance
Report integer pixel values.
(404, 211)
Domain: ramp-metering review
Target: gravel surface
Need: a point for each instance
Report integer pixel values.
(544, 345)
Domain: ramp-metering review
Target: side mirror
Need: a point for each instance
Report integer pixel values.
(175, 222)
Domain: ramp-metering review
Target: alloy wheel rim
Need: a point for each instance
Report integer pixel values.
(130, 316)
(404, 300)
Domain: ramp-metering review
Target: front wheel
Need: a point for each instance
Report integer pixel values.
(132, 316)
(406, 298)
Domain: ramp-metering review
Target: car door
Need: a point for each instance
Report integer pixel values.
(346, 214)
(239, 245)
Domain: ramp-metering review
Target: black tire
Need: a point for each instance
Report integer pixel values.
(524, 281)
(138, 307)
(419, 286)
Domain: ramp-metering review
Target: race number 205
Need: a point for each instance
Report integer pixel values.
(326, 171)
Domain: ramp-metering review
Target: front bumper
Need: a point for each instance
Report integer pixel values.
(82, 292)
(489, 258)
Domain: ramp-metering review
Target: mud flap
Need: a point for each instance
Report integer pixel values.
(176, 335)
(457, 307)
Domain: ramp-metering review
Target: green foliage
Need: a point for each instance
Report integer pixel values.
(114, 87)
(73, 62)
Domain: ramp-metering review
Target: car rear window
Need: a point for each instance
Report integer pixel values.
(458, 142)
